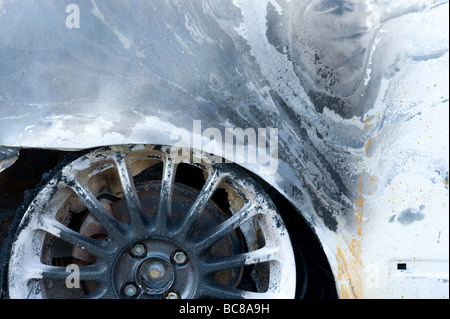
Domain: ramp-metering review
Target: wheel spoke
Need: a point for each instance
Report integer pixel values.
(261, 255)
(136, 212)
(165, 198)
(111, 225)
(217, 290)
(86, 273)
(200, 203)
(213, 289)
(101, 291)
(92, 246)
(247, 212)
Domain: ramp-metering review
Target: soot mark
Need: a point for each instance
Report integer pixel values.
(409, 216)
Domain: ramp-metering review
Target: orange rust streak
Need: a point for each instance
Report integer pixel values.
(366, 148)
(359, 209)
(349, 256)
(350, 273)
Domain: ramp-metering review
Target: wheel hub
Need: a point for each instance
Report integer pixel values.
(155, 275)
(160, 265)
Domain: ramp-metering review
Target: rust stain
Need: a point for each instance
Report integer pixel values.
(349, 256)
(366, 148)
(359, 208)
(367, 124)
(349, 273)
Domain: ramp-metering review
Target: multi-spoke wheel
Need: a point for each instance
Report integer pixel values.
(137, 222)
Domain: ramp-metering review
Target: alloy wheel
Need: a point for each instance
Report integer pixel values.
(123, 222)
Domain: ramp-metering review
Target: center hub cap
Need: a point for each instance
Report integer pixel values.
(155, 275)
(154, 268)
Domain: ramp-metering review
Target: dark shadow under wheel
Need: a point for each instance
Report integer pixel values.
(138, 222)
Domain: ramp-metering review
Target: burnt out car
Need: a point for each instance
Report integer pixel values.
(224, 149)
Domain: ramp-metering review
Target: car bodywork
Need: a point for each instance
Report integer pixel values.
(358, 93)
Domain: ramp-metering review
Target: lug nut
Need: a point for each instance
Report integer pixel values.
(130, 290)
(180, 257)
(172, 295)
(138, 250)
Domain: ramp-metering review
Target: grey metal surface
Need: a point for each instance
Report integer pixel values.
(133, 72)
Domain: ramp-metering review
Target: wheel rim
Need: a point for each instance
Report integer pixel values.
(125, 236)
